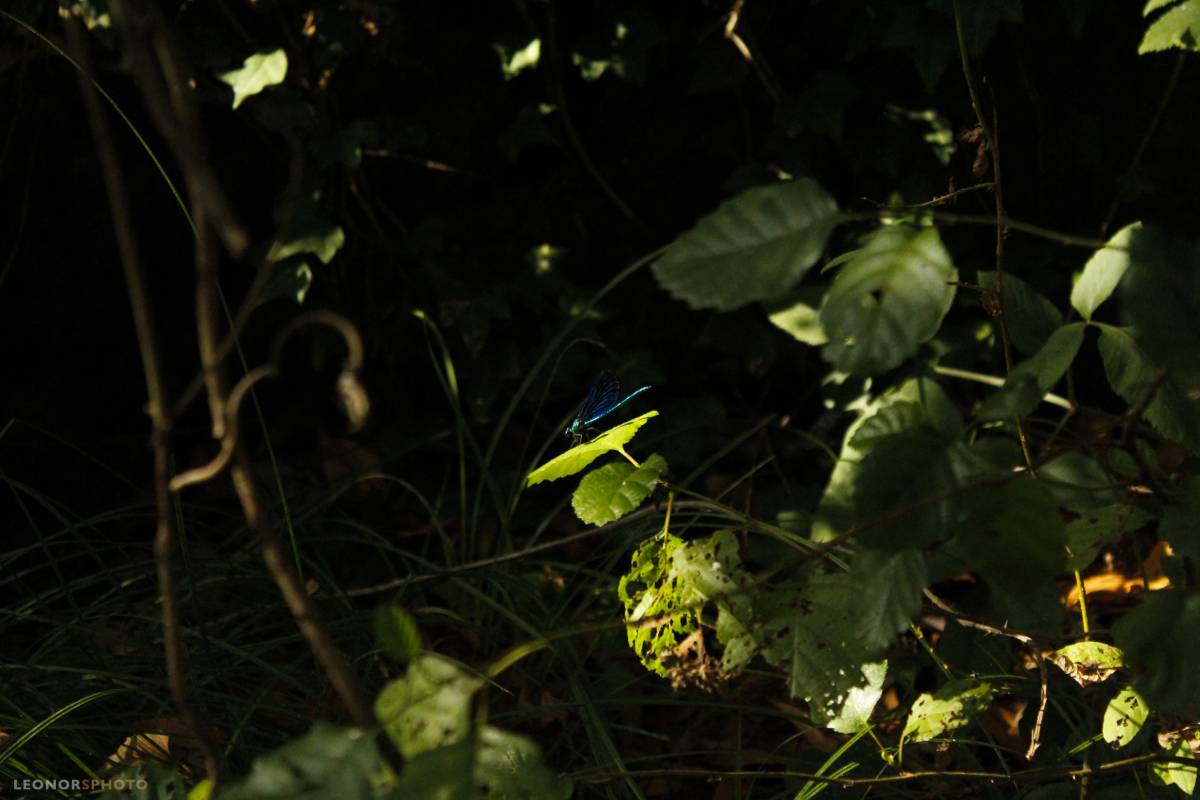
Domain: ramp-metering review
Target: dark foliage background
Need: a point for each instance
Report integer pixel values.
(451, 180)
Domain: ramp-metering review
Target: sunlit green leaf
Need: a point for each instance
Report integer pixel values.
(802, 322)
(429, 707)
(324, 244)
(397, 633)
(1089, 662)
(888, 300)
(753, 247)
(612, 491)
(669, 581)
(948, 709)
(860, 700)
(257, 73)
(515, 60)
(1102, 273)
(1124, 717)
(1178, 27)
(1178, 774)
(578, 457)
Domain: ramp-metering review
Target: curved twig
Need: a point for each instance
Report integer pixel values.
(354, 397)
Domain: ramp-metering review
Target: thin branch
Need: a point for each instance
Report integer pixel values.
(1035, 736)
(161, 78)
(166, 546)
(1027, 776)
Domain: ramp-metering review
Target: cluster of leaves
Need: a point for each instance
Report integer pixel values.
(968, 502)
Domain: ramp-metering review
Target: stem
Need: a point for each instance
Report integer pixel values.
(166, 544)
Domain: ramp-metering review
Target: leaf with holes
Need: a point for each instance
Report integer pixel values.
(429, 707)
(948, 709)
(1124, 717)
(668, 583)
(1089, 662)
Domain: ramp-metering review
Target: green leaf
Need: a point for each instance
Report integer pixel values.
(429, 707)
(1021, 540)
(612, 491)
(1012, 535)
(860, 700)
(948, 709)
(1179, 27)
(670, 581)
(1098, 528)
(510, 767)
(515, 60)
(444, 773)
(1102, 273)
(397, 633)
(324, 244)
(897, 418)
(1161, 637)
(1174, 410)
(1161, 293)
(1031, 380)
(753, 247)
(578, 457)
(1089, 662)
(811, 633)
(499, 765)
(329, 763)
(1031, 318)
(890, 595)
(942, 484)
(802, 322)
(1180, 775)
(888, 300)
(257, 73)
(1124, 717)
(924, 396)
(1079, 483)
